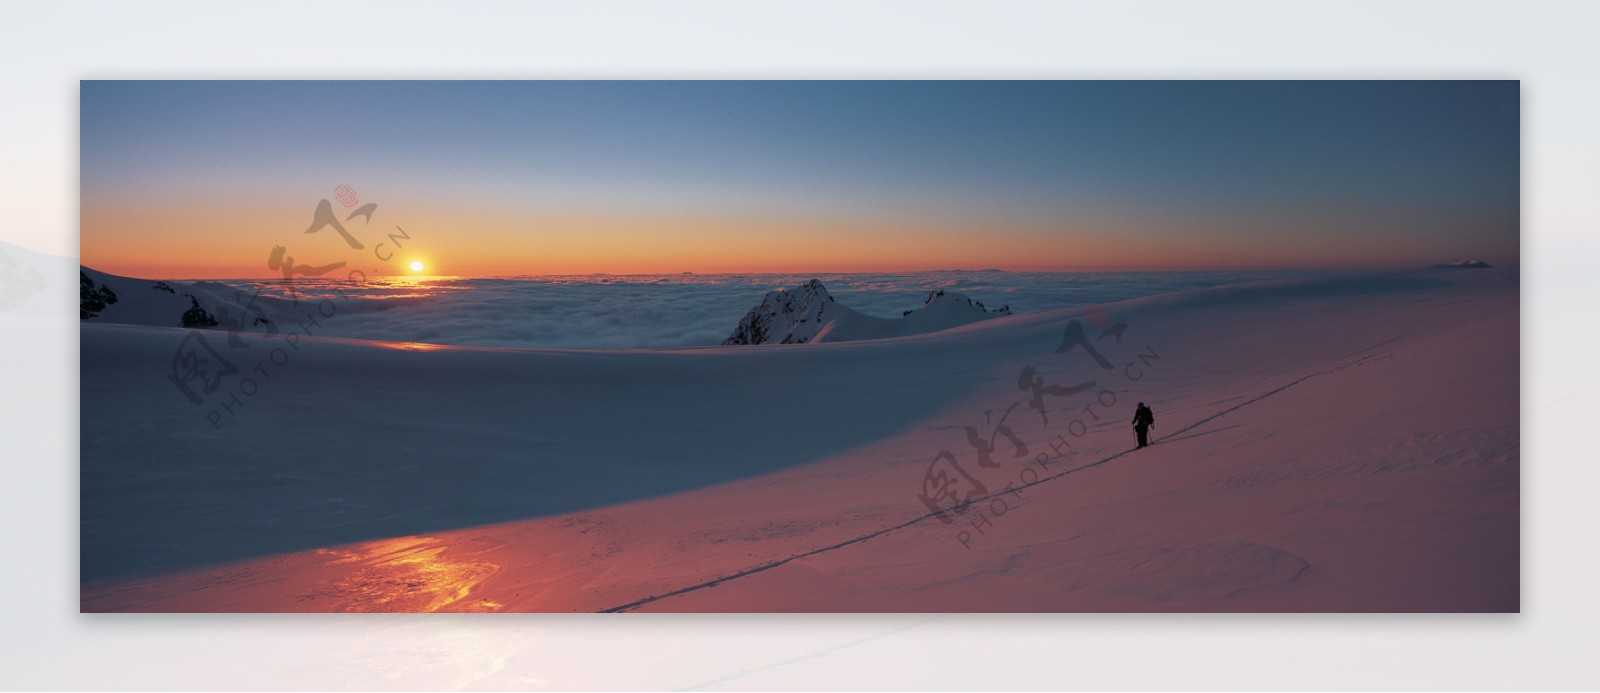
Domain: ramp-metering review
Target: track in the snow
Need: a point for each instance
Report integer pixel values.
(1348, 361)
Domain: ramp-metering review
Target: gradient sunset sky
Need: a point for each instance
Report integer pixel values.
(203, 179)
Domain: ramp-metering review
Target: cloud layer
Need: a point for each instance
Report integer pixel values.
(657, 311)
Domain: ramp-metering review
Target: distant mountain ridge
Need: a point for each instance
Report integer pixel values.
(109, 298)
(809, 314)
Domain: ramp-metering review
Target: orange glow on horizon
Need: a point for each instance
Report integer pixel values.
(151, 241)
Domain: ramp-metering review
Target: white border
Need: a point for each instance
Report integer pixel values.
(46, 48)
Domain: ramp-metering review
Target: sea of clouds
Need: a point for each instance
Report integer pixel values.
(657, 311)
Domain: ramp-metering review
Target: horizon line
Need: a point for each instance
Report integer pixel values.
(778, 272)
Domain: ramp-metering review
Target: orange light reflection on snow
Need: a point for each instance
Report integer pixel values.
(408, 574)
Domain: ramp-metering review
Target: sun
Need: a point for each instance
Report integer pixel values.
(416, 265)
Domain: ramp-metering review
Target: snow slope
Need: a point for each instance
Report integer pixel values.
(1345, 443)
(108, 298)
(808, 313)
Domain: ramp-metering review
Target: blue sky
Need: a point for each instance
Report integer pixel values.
(1282, 173)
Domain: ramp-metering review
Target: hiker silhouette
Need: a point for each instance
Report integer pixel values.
(1143, 419)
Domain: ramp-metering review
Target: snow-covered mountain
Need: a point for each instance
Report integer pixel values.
(808, 314)
(109, 298)
(1465, 264)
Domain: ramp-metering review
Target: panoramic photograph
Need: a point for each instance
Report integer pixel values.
(797, 346)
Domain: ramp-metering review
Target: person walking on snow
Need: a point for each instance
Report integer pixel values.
(1143, 419)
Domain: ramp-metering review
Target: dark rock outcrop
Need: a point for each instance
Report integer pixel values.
(197, 316)
(783, 315)
(92, 300)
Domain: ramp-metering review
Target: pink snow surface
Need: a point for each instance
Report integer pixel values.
(1344, 443)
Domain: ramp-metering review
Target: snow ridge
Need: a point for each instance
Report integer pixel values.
(1465, 264)
(809, 314)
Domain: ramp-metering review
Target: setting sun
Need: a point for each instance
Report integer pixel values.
(416, 265)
